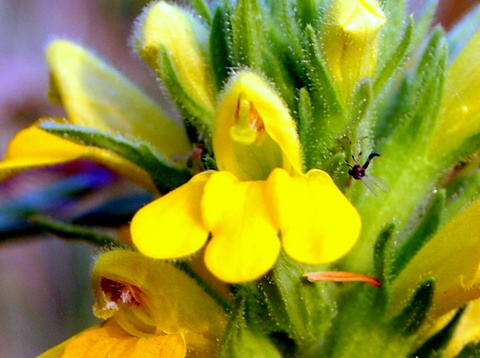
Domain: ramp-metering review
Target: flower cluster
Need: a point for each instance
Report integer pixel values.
(256, 187)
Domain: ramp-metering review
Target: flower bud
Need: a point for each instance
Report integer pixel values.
(175, 43)
(349, 41)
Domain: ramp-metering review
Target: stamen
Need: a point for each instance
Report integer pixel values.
(341, 276)
(117, 291)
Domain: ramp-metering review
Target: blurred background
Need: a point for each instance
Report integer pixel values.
(45, 294)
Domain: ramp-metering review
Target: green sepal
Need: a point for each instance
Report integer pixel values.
(300, 308)
(396, 59)
(201, 7)
(76, 232)
(328, 100)
(359, 121)
(463, 188)
(415, 313)
(424, 97)
(395, 13)
(424, 22)
(471, 350)
(200, 116)
(395, 114)
(435, 345)
(220, 47)
(307, 11)
(424, 230)
(164, 174)
(248, 40)
(311, 153)
(244, 338)
(468, 147)
(380, 263)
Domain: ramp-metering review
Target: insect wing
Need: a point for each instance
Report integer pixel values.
(368, 183)
(377, 182)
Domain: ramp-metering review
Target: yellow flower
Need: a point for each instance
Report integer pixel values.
(151, 310)
(459, 116)
(452, 256)
(349, 41)
(468, 330)
(98, 97)
(258, 199)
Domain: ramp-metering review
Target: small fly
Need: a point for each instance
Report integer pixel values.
(359, 172)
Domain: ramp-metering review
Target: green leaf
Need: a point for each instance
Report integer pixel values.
(379, 255)
(248, 34)
(425, 93)
(220, 53)
(201, 7)
(165, 175)
(70, 231)
(463, 188)
(424, 230)
(300, 308)
(424, 23)
(414, 314)
(397, 58)
(321, 83)
(395, 13)
(243, 337)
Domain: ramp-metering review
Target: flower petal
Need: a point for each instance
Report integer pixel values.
(33, 147)
(244, 242)
(452, 256)
(254, 132)
(317, 223)
(468, 330)
(141, 293)
(459, 115)
(108, 340)
(171, 226)
(97, 96)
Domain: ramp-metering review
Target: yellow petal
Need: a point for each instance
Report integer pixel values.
(317, 222)
(171, 226)
(186, 41)
(468, 330)
(33, 147)
(152, 293)
(452, 256)
(110, 341)
(97, 96)
(459, 115)
(254, 132)
(244, 242)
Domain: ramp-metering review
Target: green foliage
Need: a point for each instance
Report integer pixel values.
(164, 174)
(414, 314)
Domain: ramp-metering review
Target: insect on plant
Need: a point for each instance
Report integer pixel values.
(359, 172)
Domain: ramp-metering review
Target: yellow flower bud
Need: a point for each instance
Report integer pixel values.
(349, 41)
(185, 40)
